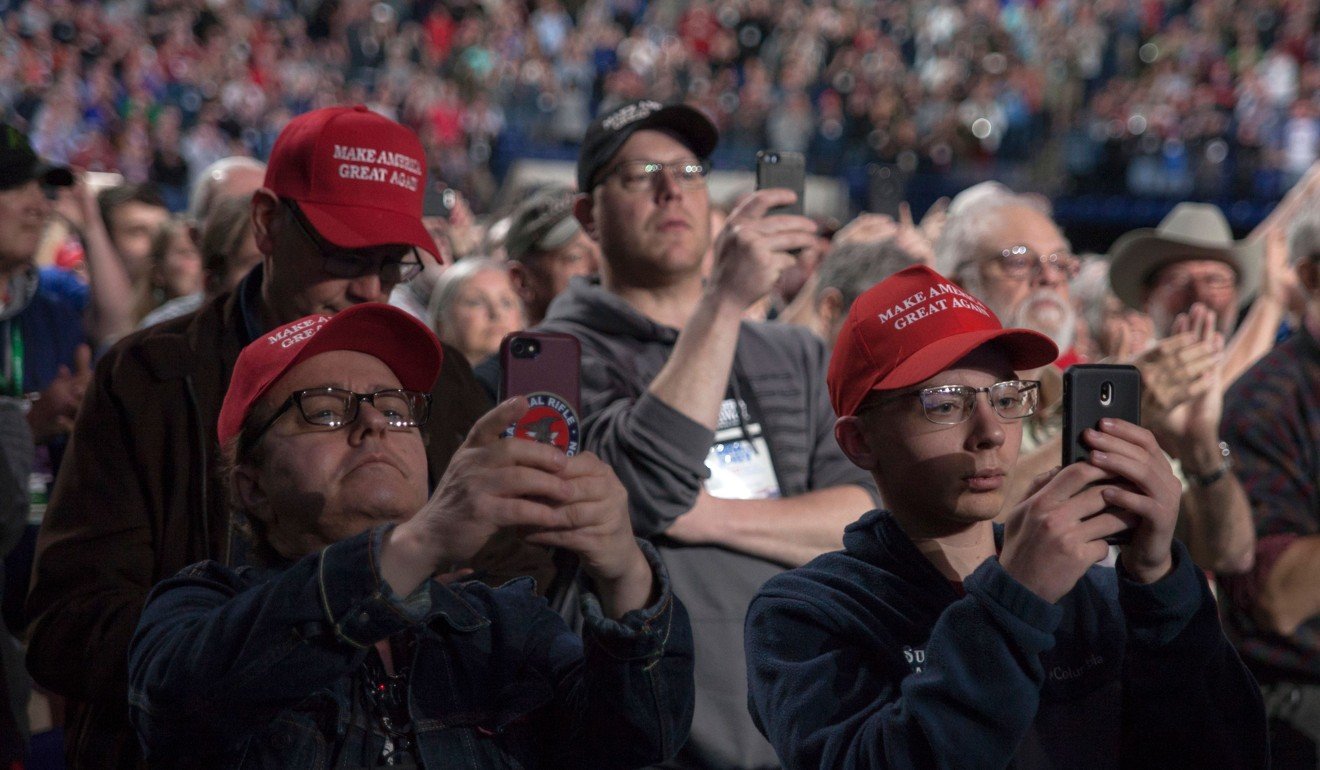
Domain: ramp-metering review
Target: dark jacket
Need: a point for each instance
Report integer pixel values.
(139, 497)
(262, 669)
(870, 658)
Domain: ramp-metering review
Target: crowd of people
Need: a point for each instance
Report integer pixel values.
(1212, 99)
(259, 510)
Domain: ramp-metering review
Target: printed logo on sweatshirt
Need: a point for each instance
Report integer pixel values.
(1063, 672)
(915, 657)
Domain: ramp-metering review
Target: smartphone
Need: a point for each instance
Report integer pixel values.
(1092, 392)
(782, 169)
(545, 367)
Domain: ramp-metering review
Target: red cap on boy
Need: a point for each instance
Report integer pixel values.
(912, 326)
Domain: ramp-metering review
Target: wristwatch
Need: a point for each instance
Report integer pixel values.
(1225, 465)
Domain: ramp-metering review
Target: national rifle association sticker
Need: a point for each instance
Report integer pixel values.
(549, 420)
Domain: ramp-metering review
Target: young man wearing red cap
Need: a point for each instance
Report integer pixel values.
(935, 639)
(338, 221)
(339, 640)
(719, 429)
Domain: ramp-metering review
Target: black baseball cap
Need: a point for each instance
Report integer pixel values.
(19, 163)
(609, 131)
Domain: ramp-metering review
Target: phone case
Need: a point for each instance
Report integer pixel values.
(1092, 392)
(782, 169)
(545, 367)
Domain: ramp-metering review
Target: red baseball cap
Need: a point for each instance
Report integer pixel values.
(358, 176)
(914, 325)
(403, 343)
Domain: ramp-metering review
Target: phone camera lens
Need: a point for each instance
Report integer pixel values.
(525, 348)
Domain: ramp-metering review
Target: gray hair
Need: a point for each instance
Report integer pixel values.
(852, 268)
(202, 195)
(971, 215)
(1089, 290)
(451, 282)
(1304, 232)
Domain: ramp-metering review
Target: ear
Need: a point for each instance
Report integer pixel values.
(848, 431)
(265, 210)
(829, 305)
(583, 209)
(522, 285)
(246, 486)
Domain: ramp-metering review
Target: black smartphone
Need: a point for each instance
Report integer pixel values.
(782, 169)
(546, 368)
(1092, 392)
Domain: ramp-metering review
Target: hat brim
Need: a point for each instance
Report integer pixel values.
(358, 227)
(1138, 255)
(400, 341)
(688, 124)
(1026, 350)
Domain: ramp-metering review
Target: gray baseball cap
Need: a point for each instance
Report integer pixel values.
(544, 222)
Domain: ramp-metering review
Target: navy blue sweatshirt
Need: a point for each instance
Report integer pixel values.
(869, 658)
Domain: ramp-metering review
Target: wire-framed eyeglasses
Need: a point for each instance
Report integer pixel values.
(334, 408)
(953, 404)
(638, 175)
(1021, 261)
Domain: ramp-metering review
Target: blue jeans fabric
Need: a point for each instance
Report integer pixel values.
(260, 668)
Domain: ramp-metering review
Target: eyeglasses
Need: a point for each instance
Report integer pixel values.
(953, 404)
(1021, 261)
(638, 175)
(336, 407)
(348, 263)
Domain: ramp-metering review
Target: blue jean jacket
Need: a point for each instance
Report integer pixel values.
(255, 668)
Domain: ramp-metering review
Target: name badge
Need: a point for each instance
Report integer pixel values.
(739, 460)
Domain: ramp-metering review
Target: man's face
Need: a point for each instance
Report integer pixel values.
(658, 232)
(24, 212)
(316, 485)
(131, 226)
(543, 277)
(940, 479)
(1176, 287)
(296, 282)
(1005, 283)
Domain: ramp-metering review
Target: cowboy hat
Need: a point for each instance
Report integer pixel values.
(1190, 231)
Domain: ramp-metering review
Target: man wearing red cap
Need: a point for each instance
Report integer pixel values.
(338, 221)
(339, 640)
(935, 638)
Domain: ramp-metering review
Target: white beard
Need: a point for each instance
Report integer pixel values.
(1046, 312)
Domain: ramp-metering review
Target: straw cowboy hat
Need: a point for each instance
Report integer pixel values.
(1190, 231)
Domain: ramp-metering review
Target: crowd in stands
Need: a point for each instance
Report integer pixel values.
(1155, 98)
(220, 220)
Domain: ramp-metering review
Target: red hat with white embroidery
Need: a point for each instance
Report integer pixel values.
(912, 326)
(359, 177)
(404, 344)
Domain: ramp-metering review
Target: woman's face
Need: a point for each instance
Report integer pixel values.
(484, 310)
(180, 271)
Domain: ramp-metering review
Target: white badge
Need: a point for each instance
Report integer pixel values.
(739, 460)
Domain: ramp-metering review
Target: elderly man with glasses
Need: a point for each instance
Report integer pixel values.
(938, 639)
(719, 429)
(338, 222)
(340, 642)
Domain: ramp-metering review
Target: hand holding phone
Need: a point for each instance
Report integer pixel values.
(545, 368)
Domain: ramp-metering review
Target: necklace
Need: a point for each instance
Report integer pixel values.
(387, 697)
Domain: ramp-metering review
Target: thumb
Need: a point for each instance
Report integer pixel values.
(82, 359)
(490, 427)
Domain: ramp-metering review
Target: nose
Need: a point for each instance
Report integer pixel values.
(367, 288)
(369, 420)
(987, 429)
(1047, 273)
(667, 185)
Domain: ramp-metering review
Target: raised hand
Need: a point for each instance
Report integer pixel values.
(752, 249)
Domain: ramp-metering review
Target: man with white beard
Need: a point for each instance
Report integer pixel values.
(1005, 249)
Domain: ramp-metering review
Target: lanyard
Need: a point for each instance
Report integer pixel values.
(13, 382)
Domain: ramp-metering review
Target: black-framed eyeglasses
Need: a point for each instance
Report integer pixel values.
(953, 404)
(638, 175)
(334, 408)
(349, 263)
(1021, 261)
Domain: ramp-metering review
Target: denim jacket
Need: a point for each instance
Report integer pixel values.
(254, 668)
